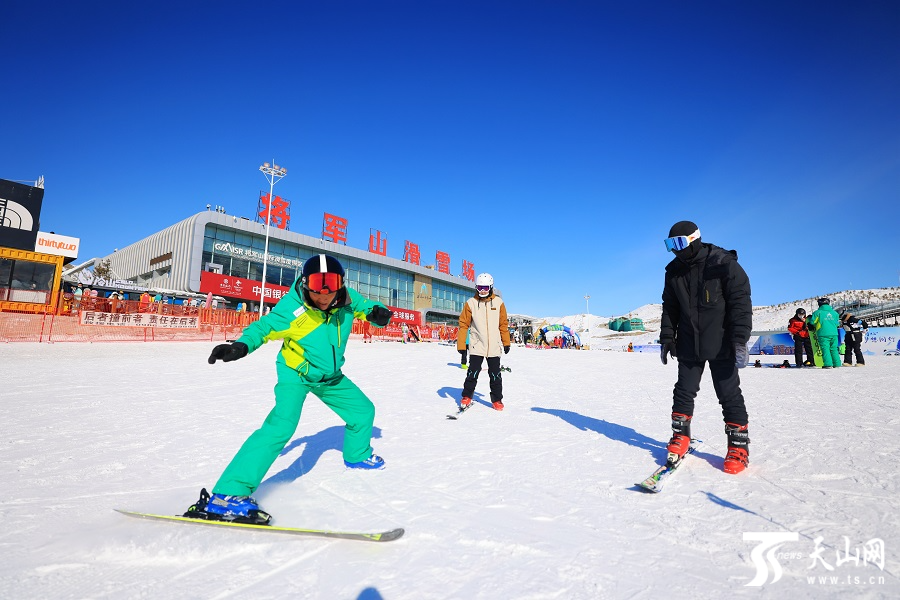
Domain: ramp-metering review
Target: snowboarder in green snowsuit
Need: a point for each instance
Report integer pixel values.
(313, 322)
(825, 322)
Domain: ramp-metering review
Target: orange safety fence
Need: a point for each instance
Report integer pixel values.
(394, 332)
(214, 324)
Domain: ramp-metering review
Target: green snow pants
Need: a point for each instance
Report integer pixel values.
(246, 470)
(830, 355)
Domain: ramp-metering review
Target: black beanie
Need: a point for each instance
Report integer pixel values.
(686, 228)
(683, 228)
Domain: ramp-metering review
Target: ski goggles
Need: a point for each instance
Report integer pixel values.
(324, 283)
(680, 242)
(483, 289)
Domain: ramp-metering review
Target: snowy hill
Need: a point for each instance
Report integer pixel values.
(765, 318)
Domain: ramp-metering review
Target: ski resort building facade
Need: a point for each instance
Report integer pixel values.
(220, 254)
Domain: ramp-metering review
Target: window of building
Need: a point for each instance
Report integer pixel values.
(26, 281)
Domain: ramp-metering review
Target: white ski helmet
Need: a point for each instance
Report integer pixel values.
(484, 283)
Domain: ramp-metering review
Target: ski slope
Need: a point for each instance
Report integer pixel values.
(535, 502)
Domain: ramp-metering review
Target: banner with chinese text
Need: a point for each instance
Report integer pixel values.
(404, 315)
(90, 317)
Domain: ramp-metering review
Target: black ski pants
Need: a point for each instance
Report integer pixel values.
(726, 382)
(493, 363)
(802, 344)
(853, 345)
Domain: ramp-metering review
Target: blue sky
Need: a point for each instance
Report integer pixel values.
(551, 143)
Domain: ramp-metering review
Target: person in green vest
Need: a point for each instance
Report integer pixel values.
(824, 322)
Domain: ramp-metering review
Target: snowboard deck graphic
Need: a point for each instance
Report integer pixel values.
(817, 350)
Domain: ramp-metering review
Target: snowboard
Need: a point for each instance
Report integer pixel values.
(817, 351)
(383, 536)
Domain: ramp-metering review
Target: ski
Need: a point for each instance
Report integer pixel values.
(384, 536)
(456, 415)
(660, 476)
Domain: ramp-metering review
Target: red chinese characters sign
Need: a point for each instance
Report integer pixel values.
(278, 215)
(404, 315)
(411, 253)
(334, 228)
(469, 270)
(236, 287)
(443, 262)
(377, 243)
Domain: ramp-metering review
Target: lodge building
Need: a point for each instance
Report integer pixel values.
(213, 252)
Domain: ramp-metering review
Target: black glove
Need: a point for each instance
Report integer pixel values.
(379, 316)
(228, 352)
(741, 356)
(505, 349)
(667, 348)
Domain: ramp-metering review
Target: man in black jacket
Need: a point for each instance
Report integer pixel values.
(707, 316)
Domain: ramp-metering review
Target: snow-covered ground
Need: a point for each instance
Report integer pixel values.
(537, 501)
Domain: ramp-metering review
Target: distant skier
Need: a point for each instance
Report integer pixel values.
(797, 328)
(824, 322)
(854, 332)
(313, 322)
(483, 321)
(707, 316)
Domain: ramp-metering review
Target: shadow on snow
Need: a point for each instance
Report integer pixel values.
(612, 431)
(314, 446)
(455, 394)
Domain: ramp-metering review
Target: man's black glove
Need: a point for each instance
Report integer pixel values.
(505, 349)
(741, 356)
(379, 316)
(228, 352)
(667, 348)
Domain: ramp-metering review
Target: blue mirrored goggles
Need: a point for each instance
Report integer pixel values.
(680, 242)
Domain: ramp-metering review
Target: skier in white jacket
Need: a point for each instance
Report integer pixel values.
(483, 319)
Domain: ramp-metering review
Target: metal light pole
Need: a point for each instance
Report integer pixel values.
(587, 306)
(273, 174)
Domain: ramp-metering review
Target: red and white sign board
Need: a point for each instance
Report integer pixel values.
(236, 287)
(404, 315)
(89, 317)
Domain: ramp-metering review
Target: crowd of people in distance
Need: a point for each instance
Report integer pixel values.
(822, 328)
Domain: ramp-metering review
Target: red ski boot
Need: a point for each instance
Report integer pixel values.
(681, 437)
(738, 457)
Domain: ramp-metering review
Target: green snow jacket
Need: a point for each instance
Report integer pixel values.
(825, 321)
(312, 341)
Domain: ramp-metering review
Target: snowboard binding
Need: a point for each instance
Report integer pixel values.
(198, 511)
